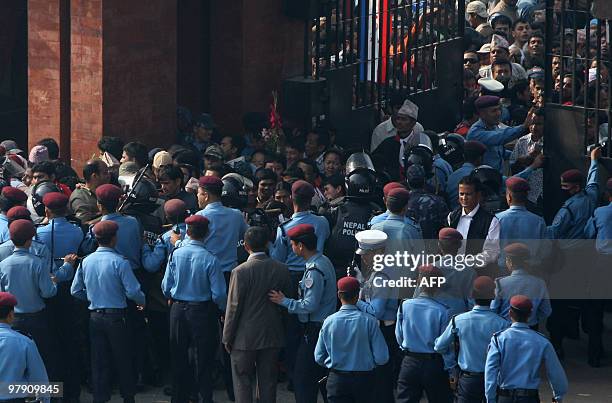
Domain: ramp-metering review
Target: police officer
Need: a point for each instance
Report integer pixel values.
(9, 198)
(472, 154)
(383, 216)
(381, 302)
(23, 275)
(599, 227)
(106, 280)
(523, 283)
(351, 346)
(419, 322)
(20, 361)
(194, 284)
(317, 292)
(468, 336)
(571, 249)
(511, 376)
(519, 224)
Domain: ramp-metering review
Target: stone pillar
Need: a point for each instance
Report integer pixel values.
(254, 46)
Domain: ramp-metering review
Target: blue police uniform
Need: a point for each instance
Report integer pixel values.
(455, 292)
(452, 185)
(20, 361)
(106, 279)
(317, 293)
(194, 281)
(494, 139)
(383, 216)
(470, 334)
(152, 258)
(419, 322)
(442, 171)
(38, 249)
(522, 283)
(402, 236)
(61, 237)
(350, 345)
(513, 366)
(517, 224)
(4, 228)
(599, 227)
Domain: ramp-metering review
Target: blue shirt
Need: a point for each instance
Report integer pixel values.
(23, 275)
(419, 322)
(599, 227)
(514, 360)
(193, 274)
(380, 302)
(317, 291)
(19, 360)
(129, 238)
(474, 330)
(383, 216)
(4, 228)
(452, 185)
(67, 239)
(351, 340)
(443, 170)
(38, 249)
(572, 217)
(281, 250)
(152, 258)
(456, 291)
(519, 225)
(401, 236)
(494, 139)
(106, 279)
(522, 283)
(226, 227)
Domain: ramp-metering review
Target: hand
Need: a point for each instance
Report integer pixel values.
(174, 237)
(54, 279)
(71, 258)
(538, 161)
(79, 186)
(228, 347)
(140, 307)
(595, 153)
(529, 119)
(276, 296)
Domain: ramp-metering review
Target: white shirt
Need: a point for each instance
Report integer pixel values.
(253, 254)
(385, 130)
(490, 248)
(415, 138)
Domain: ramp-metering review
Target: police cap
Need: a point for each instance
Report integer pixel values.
(369, 240)
(486, 101)
(175, 208)
(516, 185)
(108, 193)
(517, 249)
(21, 230)
(55, 200)
(7, 299)
(197, 221)
(13, 194)
(572, 176)
(299, 231)
(449, 234)
(474, 146)
(210, 182)
(483, 288)
(390, 186)
(18, 213)
(302, 188)
(521, 303)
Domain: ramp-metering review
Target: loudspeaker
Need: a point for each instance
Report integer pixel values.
(303, 99)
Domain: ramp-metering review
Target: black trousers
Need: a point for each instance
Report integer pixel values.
(385, 376)
(307, 372)
(423, 374)
(293, 330)
(350, 388)
(226, 363)
(111, 343)
(38, 327)
(195, 326)
(515, 399)
(470, 388)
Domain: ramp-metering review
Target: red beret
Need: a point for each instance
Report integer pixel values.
(486, 101)
(609, 185)
(18, 213)
(108, 193)
(429, 270)
(300, 230)
(13, 194)
(390, 186)
(572, 176)
(449, 234)
(348, 284)
(521, 303)
(210, 181)
(517, 249)
(474, 146)
(516, 184)
(21, 231)
(197, 221)
(484, 288)
(302, 188)
(105, 229)
(399, 194)
(7, 299)
(175, 208)
(55, 200)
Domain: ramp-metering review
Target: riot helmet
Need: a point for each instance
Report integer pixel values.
(143, 197)
(39, 191)
(360, 176)
(420, 155)
(451, 149)
(235, 192)
(490, 178)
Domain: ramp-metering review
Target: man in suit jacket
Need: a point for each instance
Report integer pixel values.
(254, 331)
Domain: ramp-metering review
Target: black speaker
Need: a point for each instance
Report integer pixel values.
(303, 99)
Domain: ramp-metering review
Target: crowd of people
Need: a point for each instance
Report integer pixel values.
(253, 258)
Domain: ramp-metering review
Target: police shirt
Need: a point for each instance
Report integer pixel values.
(23, 275)
(514, 359)
(351, 340)
(494, 139)
(62, 238)
(599, 227)
(378, 300)
(519, 225)
(38, 249)
(152, 258)
(4, 228)
(106, 279)
(419, 322)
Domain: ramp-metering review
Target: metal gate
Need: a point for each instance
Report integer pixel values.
(370, 50)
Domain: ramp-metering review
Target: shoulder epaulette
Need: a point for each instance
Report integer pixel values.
(26, 334)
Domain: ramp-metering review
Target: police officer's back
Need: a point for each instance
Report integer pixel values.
(20, 361)
(514, 359)
(467, 336)
(106, 280)
(351, 345)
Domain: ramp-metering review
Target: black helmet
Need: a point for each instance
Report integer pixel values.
(451, 149)
(39, 191)
(420, 155)
(489, 177)
(144, 197)
(235, 192)
(360, 176)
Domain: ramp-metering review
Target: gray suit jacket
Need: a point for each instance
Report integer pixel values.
(252, 321)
